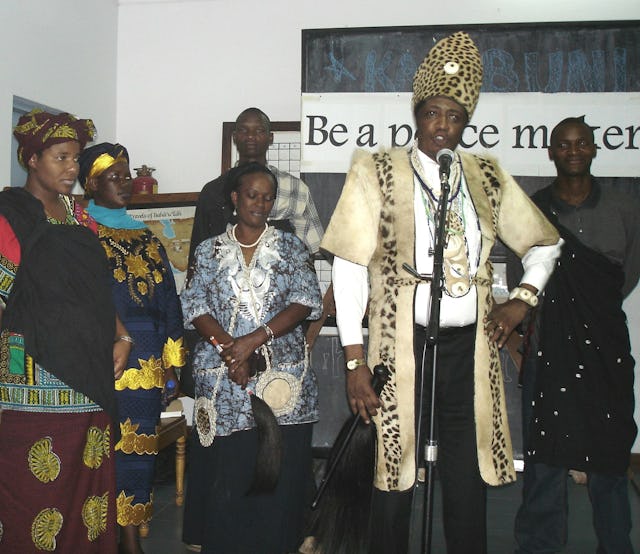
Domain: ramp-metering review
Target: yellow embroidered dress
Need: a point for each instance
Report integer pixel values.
(146, 301)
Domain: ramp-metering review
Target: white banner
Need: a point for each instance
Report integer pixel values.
(513, 127)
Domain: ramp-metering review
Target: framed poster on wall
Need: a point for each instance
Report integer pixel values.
(170, 217)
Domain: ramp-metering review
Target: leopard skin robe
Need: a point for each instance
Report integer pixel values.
(374, 225)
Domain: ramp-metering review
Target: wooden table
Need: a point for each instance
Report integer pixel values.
(172, 430)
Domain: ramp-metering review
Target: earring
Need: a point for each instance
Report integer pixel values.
(235, 212)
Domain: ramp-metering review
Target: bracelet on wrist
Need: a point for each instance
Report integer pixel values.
(270, 333)
(528, 297)
(212, 340)
(125, 338)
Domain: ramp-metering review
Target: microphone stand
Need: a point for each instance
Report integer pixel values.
(431, 340)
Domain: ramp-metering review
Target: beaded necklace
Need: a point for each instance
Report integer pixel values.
(233, 233)
(457, 271)
(69, 218)
(456, 208)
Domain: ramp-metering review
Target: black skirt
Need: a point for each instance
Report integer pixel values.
(219, 514)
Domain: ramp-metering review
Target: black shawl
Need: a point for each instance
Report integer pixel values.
(584, 401)
(61, 299)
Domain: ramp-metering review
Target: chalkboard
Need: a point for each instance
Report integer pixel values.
(327, 361)
(325, 189)
(535, 57)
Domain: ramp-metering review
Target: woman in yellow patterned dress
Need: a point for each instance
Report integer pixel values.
(59, 351)
(145, 295)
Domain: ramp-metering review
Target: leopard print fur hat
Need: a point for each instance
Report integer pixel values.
(452, 68)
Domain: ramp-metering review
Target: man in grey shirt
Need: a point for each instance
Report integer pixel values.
(578, 393)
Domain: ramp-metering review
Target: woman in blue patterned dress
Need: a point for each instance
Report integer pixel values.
(250, 290)
(145, 296)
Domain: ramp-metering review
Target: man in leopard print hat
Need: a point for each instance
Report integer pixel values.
(385, 218)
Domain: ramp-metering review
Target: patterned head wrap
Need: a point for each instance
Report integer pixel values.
(97, 159)
(38, 130)
(452, 68)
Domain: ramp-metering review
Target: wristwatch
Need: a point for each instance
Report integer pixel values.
(525, 295)
(355, 363)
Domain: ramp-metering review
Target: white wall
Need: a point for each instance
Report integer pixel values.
(61, 53)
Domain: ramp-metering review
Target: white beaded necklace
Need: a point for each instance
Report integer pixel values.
(233, 232)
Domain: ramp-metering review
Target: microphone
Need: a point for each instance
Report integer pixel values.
(444, 157)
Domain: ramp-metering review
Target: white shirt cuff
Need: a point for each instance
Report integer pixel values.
(351, 293)
(539, 263)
